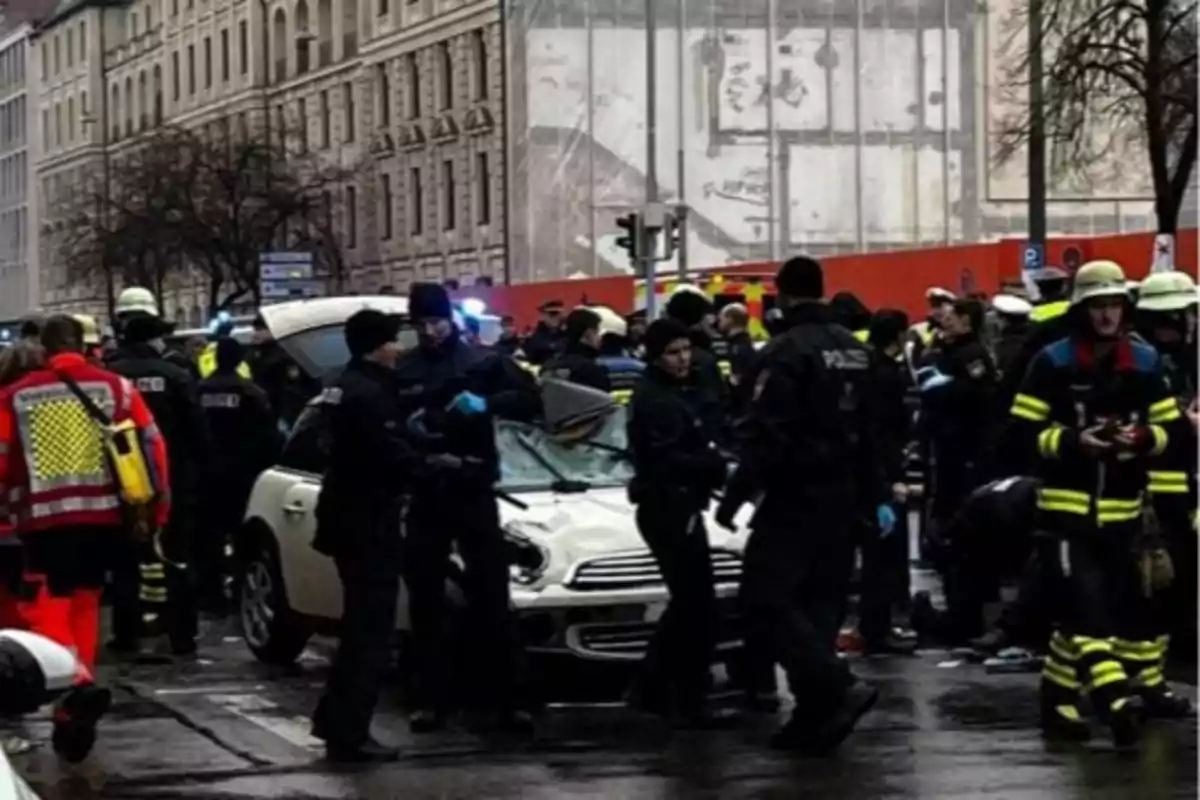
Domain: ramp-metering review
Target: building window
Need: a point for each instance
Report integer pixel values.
(445, 77)
(385, 90)
(208, 62)
(191, 69)
(483, 190)
(280, 125)
(243, 46)
(385, 189)
(225, 56)
(323, 111)
(351, 218)
(348, 105)
(416, 201)
(414, 85)
(57, 57)
(58, 126)
(175, 75)
(448, 196)
(83, 48)
(115, 114)
(70, 48)
(302, 123)
(149, 18)
(70, 119)
(383, 8)
(46, 125)
(479, 57)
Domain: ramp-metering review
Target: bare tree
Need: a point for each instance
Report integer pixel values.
(1118, 74)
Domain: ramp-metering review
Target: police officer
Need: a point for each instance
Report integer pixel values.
(676, 468)
(359, 510)
(458, 391)
(924, 335)
(547, 338)
(958, 416)
(807, 446)
(245, 442)
(690, 307)
(509, 341)
(206, 363)
(1012, 327)
(170, 392)
(287, 386)
(578, 360)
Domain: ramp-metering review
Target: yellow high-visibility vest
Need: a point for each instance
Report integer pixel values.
(862, 334)
(207, 362)
(1049, 311)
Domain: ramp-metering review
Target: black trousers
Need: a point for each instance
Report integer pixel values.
(885, 577)
(681, 651)
(149, 578)
(794, 582)
(436, 524)
(369, 569)
(223, 516)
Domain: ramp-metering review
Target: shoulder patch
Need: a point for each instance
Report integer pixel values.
(151, 383)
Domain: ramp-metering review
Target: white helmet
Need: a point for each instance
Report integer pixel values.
(610, 321)
(1011, 305)
(688, 287)
(136, 299)
(1167, 291)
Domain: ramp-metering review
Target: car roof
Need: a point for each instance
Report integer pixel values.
(297, 316)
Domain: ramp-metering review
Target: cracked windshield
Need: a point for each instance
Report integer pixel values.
(531, 459)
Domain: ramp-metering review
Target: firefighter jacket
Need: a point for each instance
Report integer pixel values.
(1067, 390)
(54, 470)
(1172, 482)
(207, 362)
(623, 374)
(577, 363)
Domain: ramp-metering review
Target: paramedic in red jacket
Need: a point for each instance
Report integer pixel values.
(66, 507)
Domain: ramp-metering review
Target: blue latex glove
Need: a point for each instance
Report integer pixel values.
(468, 404)
(886, 518)
(931, 378)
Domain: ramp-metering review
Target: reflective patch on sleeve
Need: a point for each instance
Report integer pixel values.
(977, 369)
(151, 383)
(761, 383)
(331, 396)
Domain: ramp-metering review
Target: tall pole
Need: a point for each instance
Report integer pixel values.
(681, 129)
(647, 242)
(1037, 131)
(772, 199)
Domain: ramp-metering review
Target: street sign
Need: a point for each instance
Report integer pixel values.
(1034, 257)
(288, 276)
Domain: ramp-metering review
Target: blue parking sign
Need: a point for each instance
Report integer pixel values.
(1034, 257)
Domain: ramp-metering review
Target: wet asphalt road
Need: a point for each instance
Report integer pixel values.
(227, 727)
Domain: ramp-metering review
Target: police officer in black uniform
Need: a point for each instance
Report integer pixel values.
(245, 442)
(371, 466)
(288, 388)
(577, 362)
(547, 339)
(693, 310)
(170, 392)
(676, 469)
(807, 446)
(458, 391)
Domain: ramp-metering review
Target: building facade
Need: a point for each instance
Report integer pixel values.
(18, 99)
(408, 91)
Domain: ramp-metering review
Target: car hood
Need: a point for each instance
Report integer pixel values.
(599, 522)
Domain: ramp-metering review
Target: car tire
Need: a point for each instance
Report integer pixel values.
(273, 632)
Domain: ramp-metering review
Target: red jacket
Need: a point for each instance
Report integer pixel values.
(53, 466)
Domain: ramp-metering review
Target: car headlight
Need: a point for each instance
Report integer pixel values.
(527, 558)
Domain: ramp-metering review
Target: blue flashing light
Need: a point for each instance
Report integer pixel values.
(473, 307)
(5, 334)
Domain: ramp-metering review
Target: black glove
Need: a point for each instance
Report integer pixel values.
(726, 511)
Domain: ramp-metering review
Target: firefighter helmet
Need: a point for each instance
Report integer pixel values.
(1099, 279)
(136, 300)
(611, 323)
(91, 330)
(1167, 291)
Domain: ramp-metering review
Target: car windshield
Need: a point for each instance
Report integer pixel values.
(531, 459)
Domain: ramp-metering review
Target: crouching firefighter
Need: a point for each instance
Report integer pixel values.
(82, 463)
(1092, 411)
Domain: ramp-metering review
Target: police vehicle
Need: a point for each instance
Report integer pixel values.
(582, 581)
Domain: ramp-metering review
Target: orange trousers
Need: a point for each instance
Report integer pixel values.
(72, 621)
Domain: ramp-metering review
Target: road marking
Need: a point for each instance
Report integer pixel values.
(293, 729)
(219, 688)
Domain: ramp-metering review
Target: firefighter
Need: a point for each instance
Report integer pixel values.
(91, 338)
(1012, 326)
(455, 393)
(547, 338)
(1092, 410)
(957, 418)
(245, 442)
(577, 360)
(623, 369)
(371, 465)
(808, 450)
(166, 574)
(676, 468)
(137, 301)
(67, 507)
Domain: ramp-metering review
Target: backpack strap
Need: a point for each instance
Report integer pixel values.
(89, 405)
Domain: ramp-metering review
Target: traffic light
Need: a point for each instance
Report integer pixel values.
(631, 242)
(672, 231)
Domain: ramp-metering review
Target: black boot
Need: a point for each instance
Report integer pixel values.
(367, 752)
(75, 721)
(1126, 718)
(826, 735)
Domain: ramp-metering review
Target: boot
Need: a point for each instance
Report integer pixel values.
(824, 736)
(1126, 718)
(1161, 703)
(1061, 720)
(75, 721)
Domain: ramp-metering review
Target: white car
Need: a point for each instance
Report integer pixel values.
(583, 582)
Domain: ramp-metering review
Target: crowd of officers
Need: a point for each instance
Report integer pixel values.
(1081, 396)
(66, 532)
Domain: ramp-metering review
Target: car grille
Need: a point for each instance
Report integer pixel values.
(629, 640)
(638, 568)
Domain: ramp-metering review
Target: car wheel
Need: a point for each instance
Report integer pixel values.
(273, 632)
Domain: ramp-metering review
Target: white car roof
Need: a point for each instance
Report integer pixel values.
(297, 316)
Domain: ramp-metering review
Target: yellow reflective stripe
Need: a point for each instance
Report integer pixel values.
(1137, 651)
(862, 334)
(1029, 407)
(1167, 482)
(1164, 411)
(1066, 500)
(1062, 643)
(152, 571)
(726, 368)
(1116, 503)
(1151, 676)
(1069, 713)
(1061, 676)
(1107, 672)
(1160, 440)
(1063, 654)
(1087, 645)
(1050, 441)
(621, 396)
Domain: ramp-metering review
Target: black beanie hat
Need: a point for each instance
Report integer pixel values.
(140, 328)
(429, 301)
(579, 322)
(801, 277)
(230, 353)
(689, 308)
(370, 329)
(660, 334)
